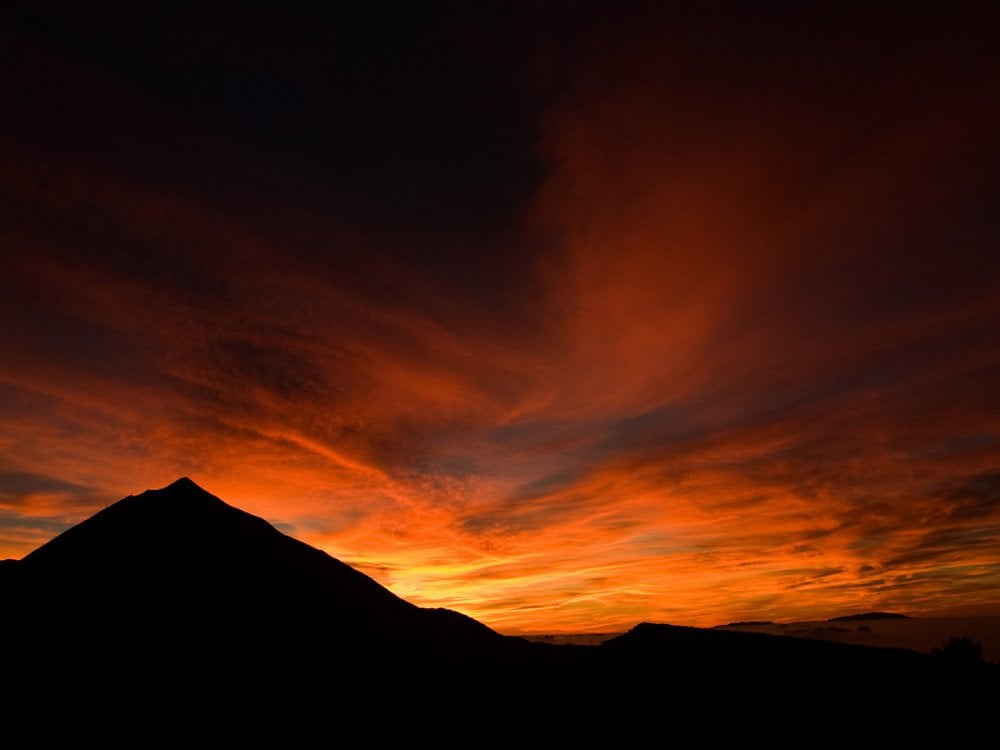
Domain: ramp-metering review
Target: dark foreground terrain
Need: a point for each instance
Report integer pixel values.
(171, 618)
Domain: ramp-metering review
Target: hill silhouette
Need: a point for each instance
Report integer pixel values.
(172, 618)
(869, 616)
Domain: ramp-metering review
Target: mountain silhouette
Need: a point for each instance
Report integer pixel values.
(171, 618)
(160, 555)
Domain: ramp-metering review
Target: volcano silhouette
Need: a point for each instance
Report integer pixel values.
(172, 610)
(180, 559)
(173, 619)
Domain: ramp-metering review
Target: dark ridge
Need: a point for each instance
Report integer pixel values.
(870, 616)
(744, 623)
(734, 649)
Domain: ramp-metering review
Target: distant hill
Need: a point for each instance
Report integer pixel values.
(869, 616)
(174, 619)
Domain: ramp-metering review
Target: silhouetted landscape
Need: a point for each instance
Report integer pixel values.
(172, 617)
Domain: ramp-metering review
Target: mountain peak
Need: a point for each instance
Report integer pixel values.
(183, 489)
(184, 483)
(180, 519)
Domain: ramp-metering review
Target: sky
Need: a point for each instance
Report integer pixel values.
(563, 315)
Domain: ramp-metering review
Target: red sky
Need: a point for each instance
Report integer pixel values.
(564, 320)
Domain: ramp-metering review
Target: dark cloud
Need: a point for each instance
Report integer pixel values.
(418, 121)
(17, 484)
(976, 498)
(947, 543)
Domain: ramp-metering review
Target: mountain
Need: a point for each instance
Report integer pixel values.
(171, 618)
(174, 609)
(165, 556)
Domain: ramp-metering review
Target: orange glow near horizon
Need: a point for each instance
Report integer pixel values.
(749, 371)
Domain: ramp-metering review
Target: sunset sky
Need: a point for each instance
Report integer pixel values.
(566, 316)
